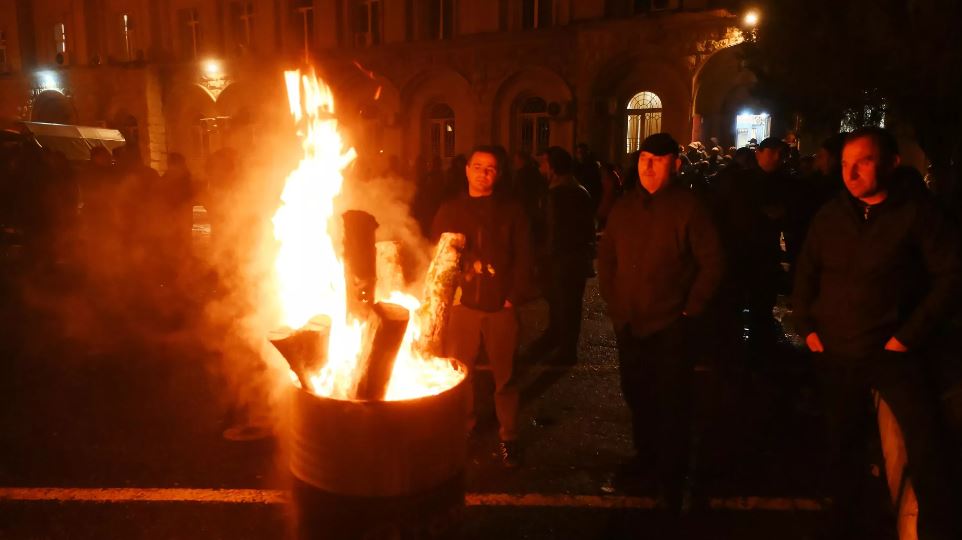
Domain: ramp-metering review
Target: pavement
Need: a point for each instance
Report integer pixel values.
(112, 426)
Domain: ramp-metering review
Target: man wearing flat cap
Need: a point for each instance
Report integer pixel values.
(659, 264)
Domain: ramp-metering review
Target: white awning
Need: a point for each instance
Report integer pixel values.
(74, 142)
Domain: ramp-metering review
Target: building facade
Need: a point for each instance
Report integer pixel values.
(410, 77)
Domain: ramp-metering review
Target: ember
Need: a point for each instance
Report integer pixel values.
(372, 349)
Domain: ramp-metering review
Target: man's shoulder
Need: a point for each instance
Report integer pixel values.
(570, 189)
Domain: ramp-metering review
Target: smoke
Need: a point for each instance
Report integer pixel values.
(242, 251)
(144, 280)
(388, 198)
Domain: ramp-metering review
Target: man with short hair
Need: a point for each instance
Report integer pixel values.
(496, 267)
(880, 270)
(567, 257)
(659, 265)
(754, 209)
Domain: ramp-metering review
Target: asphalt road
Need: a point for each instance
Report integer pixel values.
(112, 426)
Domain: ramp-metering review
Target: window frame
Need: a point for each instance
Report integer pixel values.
(533, 126)
(373, 34)
(533, 20)
(440, 130)
(653, 113)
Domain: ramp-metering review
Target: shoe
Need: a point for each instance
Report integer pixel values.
(509, 453)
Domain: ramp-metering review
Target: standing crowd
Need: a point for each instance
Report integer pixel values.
(693, 247)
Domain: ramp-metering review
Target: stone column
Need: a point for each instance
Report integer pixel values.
(156, 127)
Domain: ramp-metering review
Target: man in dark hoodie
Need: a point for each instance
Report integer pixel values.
(496, 268)
(659, 265)
(567, 257)
(879, 271)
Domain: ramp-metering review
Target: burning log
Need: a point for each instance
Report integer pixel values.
(385, 332)
(390, 274)
(305, 349)
(440, 285)
(360, 261)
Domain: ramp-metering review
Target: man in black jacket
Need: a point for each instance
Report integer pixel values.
(659, 265)
(568, 255)
(496, 267)
(879, 271)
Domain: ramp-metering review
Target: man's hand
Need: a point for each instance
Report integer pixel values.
(895, 345)
(814, 344)
(508, 304)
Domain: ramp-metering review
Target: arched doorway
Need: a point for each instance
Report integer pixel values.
(644, 119)
(631, 82)
(53, 107)
(724, 106)
(427, 90)
(192, 125)
(532, 110)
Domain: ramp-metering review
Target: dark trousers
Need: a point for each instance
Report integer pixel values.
(846, 383)
(498, 331)
(656, 379)
(565, 296)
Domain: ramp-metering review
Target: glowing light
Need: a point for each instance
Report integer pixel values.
(751, 18)
(212, 68)
(48, 80)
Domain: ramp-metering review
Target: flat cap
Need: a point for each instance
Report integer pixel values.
(660, 144)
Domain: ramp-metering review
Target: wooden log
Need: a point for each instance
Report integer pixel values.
(384, 334)
(305, 348)
(390, 273)
(360, 261)
(440, 285)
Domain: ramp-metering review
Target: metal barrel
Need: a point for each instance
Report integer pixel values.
(378, 469)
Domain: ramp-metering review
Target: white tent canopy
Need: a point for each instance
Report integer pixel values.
(74, 142)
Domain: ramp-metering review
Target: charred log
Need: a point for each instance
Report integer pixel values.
(360, 261)
(386, 326)
(305, 349)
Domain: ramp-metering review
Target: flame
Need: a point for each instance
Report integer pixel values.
(309, 272)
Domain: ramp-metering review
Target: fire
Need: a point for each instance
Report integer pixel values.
(309, 270)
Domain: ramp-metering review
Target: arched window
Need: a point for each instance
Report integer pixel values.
(440, 130)
(644, 118)
(534, 130)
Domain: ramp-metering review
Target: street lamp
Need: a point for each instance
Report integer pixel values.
(751, 18)
(48, 80)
